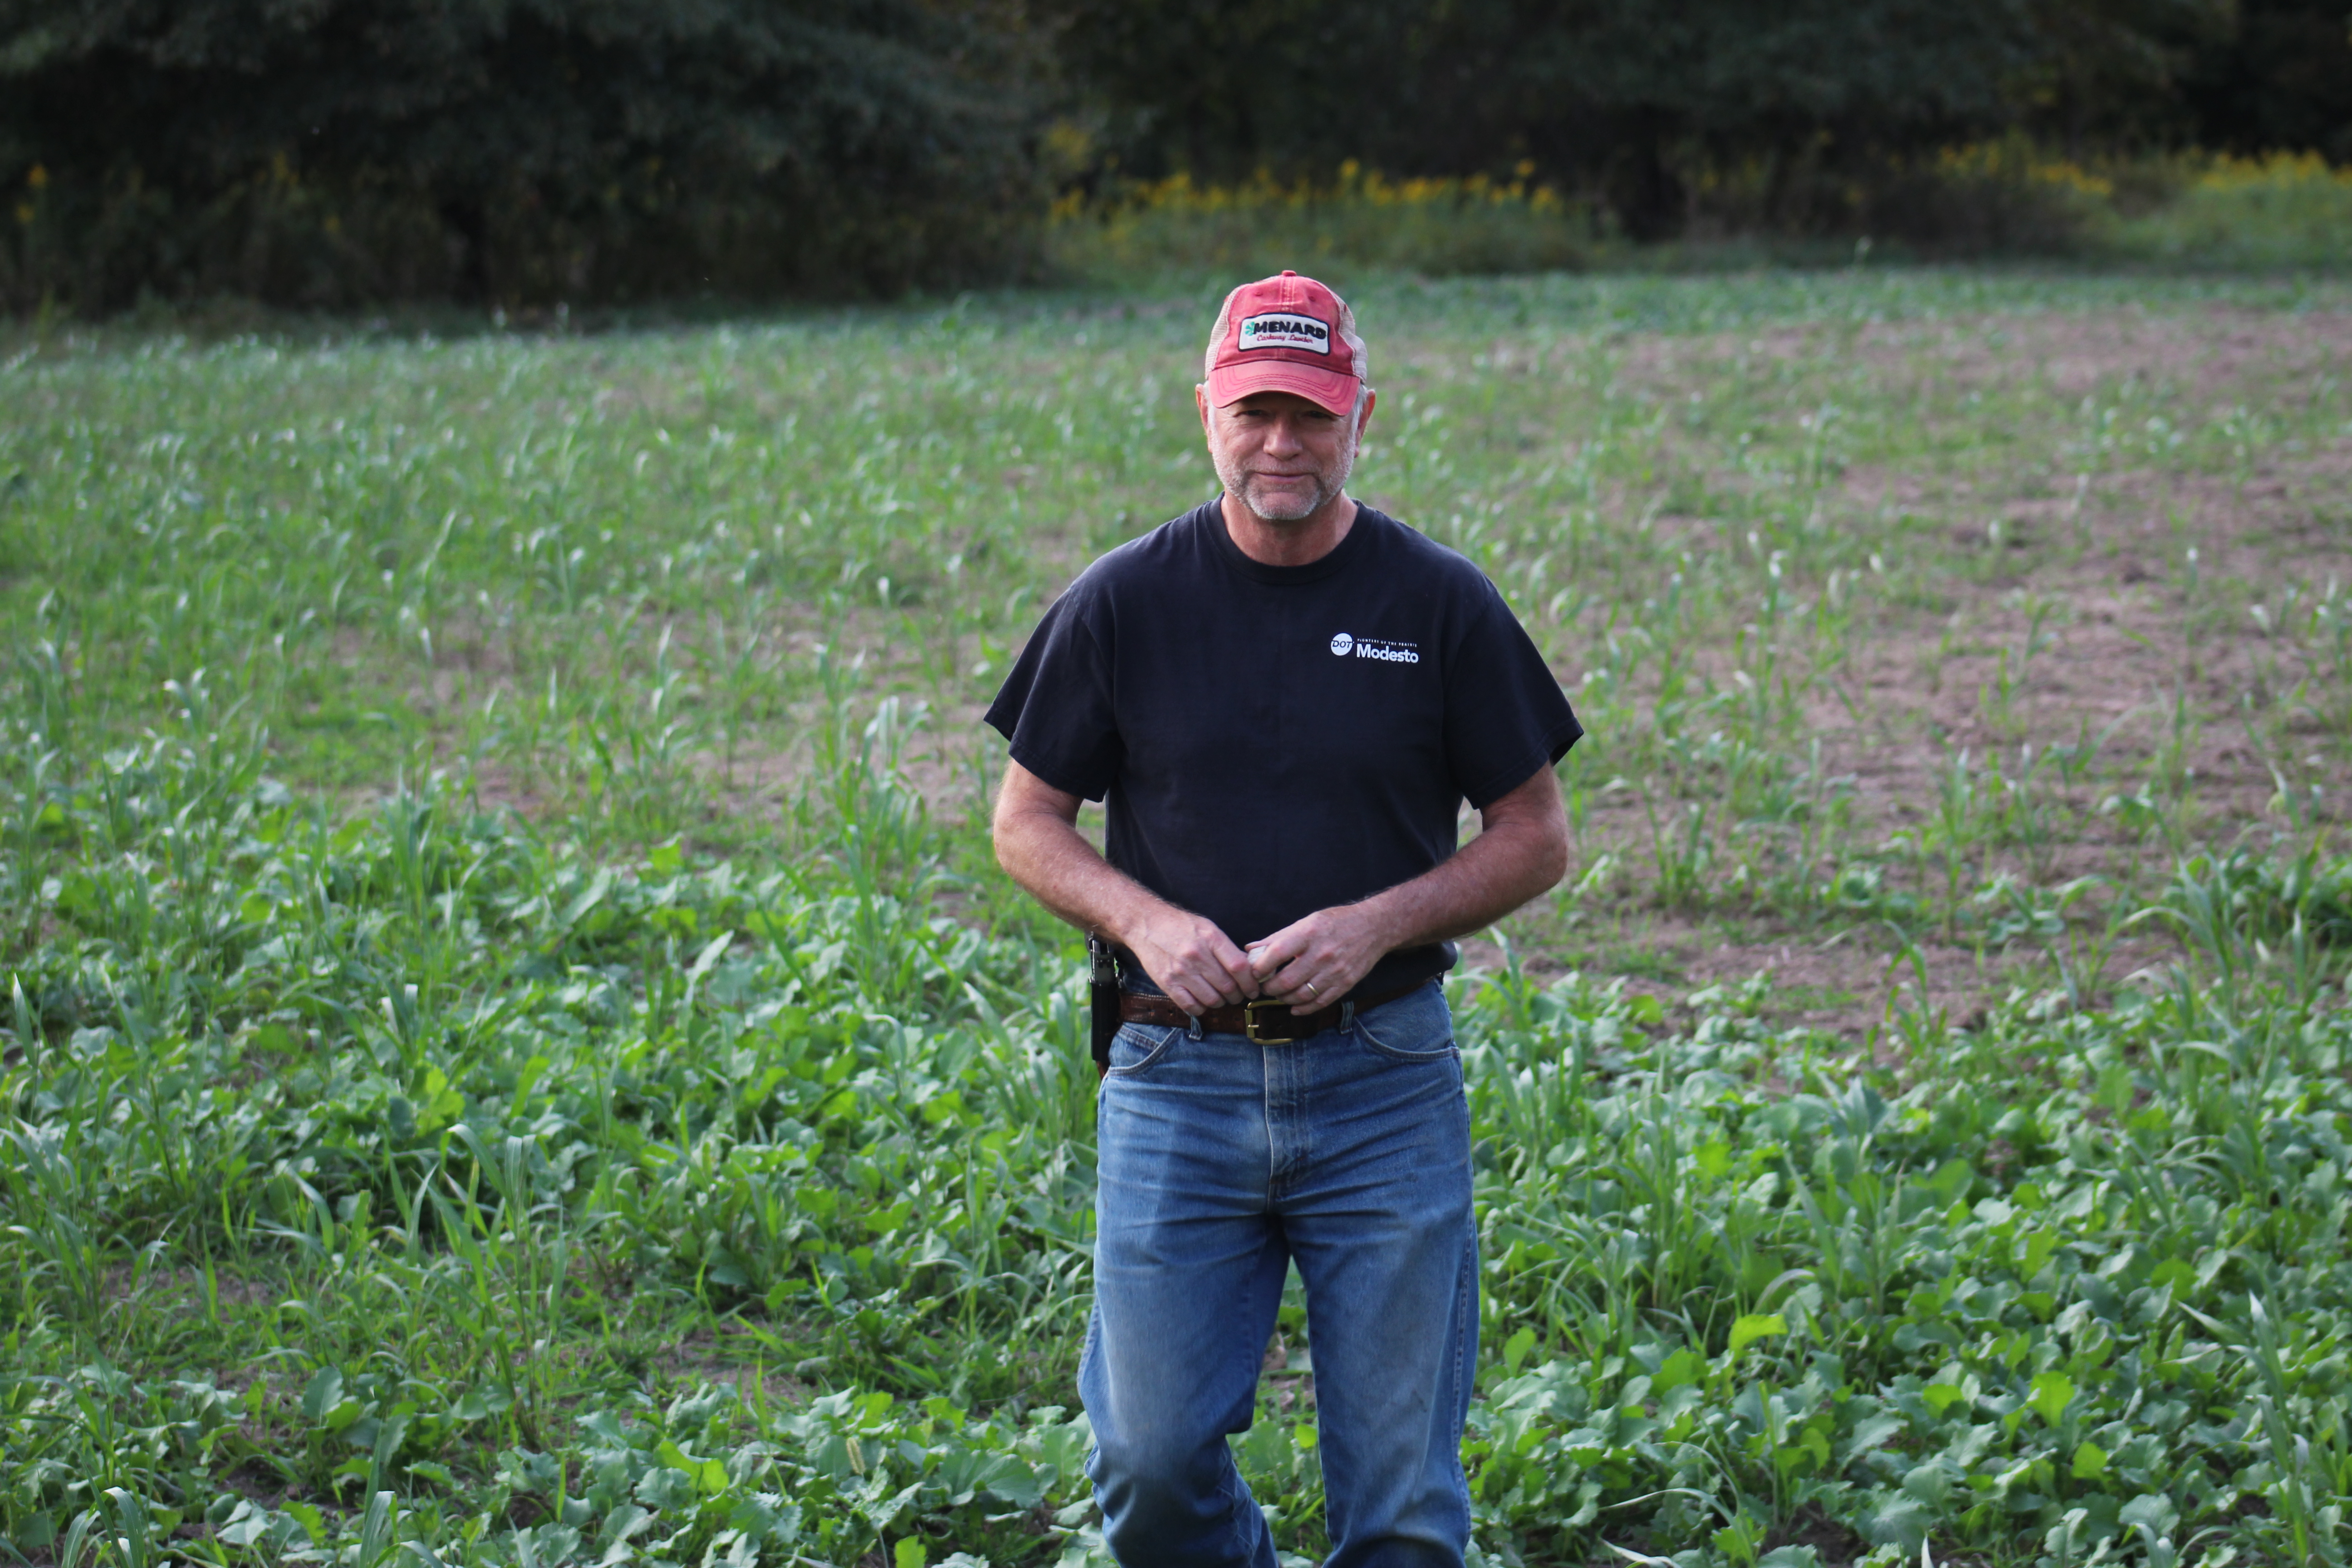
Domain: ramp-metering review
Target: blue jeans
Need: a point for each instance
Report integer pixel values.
(1220, 1162)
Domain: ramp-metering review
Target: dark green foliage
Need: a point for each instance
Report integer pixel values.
(1807, 110)
(2283, 78)
(2104, 76)
(451, 1135)
(1709, 84)
(344, 151)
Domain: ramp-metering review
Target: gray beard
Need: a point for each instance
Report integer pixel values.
(1328, 484)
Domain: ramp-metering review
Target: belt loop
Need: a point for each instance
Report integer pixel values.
(1346, 1014)
(1193, 1027)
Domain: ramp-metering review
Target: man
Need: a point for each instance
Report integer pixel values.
(1283, 698)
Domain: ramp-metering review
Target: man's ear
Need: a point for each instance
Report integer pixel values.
(1364, 420)
(1201, 402)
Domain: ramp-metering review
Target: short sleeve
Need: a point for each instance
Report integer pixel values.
(1055, 707)
(1506, 716)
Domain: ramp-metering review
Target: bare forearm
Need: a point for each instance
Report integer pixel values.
(1314, 960)
(1051, 860)
(1522, 850)
(1039, 846)
(1486, 879)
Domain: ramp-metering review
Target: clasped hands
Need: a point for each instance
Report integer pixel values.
(1310, 964)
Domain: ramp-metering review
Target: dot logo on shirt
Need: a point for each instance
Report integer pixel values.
(1344, 644)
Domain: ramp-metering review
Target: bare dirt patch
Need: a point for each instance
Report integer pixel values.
(2133, 619)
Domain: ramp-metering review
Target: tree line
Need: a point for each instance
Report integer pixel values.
(343, 152)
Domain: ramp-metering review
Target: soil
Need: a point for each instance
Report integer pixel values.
(2121, 609)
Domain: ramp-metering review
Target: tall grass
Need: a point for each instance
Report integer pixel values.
(2006, 197)
(1360, 219)
(2281, 211)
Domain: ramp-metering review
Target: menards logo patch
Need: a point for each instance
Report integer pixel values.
(1285, 330)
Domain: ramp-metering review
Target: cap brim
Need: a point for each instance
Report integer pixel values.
(1333, 391)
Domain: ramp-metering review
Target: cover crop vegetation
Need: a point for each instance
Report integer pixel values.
(516, 1053)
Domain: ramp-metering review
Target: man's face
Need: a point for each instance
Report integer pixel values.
(1278, 454)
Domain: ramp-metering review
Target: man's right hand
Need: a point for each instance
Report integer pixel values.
(1192, 960)
(1038, 844)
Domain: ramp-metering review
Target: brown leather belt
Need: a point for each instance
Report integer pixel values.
(1267, 1023)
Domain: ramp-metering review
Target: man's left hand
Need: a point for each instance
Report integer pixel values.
(1520, 850)
(1314, 962)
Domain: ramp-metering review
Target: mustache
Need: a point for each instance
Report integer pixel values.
(1241, 477)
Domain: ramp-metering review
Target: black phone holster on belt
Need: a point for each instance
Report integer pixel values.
(1102, 997)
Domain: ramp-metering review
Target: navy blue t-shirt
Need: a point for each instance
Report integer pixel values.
(1271, 741)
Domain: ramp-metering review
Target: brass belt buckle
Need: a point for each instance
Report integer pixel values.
(1249, 1023)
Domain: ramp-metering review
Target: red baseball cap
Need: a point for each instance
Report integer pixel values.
(1287, 334)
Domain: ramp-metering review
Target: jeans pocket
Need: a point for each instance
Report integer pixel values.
(1415, 1028)
(1137, 1046)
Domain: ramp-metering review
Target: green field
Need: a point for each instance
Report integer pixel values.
(516, 1051)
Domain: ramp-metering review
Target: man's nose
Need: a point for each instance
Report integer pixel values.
(1282, 436)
